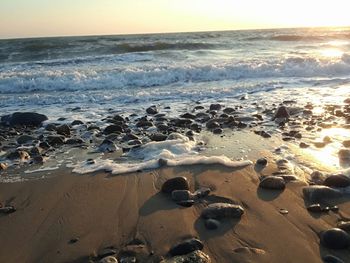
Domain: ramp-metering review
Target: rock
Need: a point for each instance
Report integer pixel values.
(344, 225)
(113, 129)
(176, 183)
(44, 145)
(212, 224)
(212, 124)
(7, 209)
(327, 139)
(319, 144)
(23, 139)
(118, 118)
(186, 247)
(338, 180)
(55, 140)
(332, 259)
(304, 145)
(201, 193)
(229, 110)
(50, 127)
(107, 146)
(215, 107)
(63, 130)
(73, 141)
(261, 162)
(188, 116)
(108, 259)
(76, 122)
(335, 238)
(315, 208)
(282, 112)
(263, 134)
(107, 252)
(24, 119)
(181, 195)
(194, 257)
(217, 131)
(317, 193)
(152, 110)
(346, 143)
(18, 155)
(3, 166)
(129, 137)
(273, 183)
(158, 137)
(344, 154)
(222, 210)
(144, 123)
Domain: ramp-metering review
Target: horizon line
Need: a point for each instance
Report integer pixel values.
(171, 32)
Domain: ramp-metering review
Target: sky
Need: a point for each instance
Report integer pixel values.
(29, 18)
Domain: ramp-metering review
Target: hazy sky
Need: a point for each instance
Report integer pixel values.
(24, 18)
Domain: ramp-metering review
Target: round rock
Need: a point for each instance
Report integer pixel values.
(176, 183)
(186, 247)
(335, 238)
(273, 183)
(338, 180)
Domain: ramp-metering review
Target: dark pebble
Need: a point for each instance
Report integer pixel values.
(212, 224)
(273, 183)
(335, 238)
(338, 180)
(222, 210)
(186, 247)
(176, 183)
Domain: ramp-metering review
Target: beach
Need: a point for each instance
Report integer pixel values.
(102, 211)
(172, 148)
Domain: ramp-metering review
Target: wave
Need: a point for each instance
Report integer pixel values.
(73, 78)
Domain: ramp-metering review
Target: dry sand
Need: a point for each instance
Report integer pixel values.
(103, 210)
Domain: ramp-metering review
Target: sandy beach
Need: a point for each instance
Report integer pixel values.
(70, 218)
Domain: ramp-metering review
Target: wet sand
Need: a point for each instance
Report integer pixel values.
(70, 218)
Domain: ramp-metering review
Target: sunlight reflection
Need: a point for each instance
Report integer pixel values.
(332, 53)
(328, 155)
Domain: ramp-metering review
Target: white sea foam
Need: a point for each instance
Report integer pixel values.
(177, 152)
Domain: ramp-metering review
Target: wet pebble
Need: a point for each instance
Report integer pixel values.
(186, 246)
(261, 162)
(181, 195)
(107, 146)
(63, 130)
(152, 110)
(176, 183)
(332, 259)
(338, 180)
(25, 139)
(335, 238)
(222, 210)
(273, 183)
(316, 193)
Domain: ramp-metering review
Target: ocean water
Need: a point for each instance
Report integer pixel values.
(96, 73)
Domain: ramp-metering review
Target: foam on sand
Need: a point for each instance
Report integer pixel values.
(177, 151)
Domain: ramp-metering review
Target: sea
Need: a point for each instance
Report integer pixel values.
(84, 77)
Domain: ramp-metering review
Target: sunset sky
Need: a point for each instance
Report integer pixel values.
(26, 18)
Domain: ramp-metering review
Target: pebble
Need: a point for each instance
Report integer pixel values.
(152, 110)
(63, 130)
(304, 145)
(335, 238)
(176, 183)
(344, 225)
(186, 203)
(55, 140)
(222, 210)
(332, 259)
(282, 112)
(316, 193)
(338, 180)
(273, 183)
(181, 195)
(261, 162)
(8, 209)
(158, 137)
(24, 119)
(107, 146)
(215, 107)
(113, 129)
(186, 246)
(315, 208)
(202, 192)
(3, 166)
(18, 155)
(25, 139)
